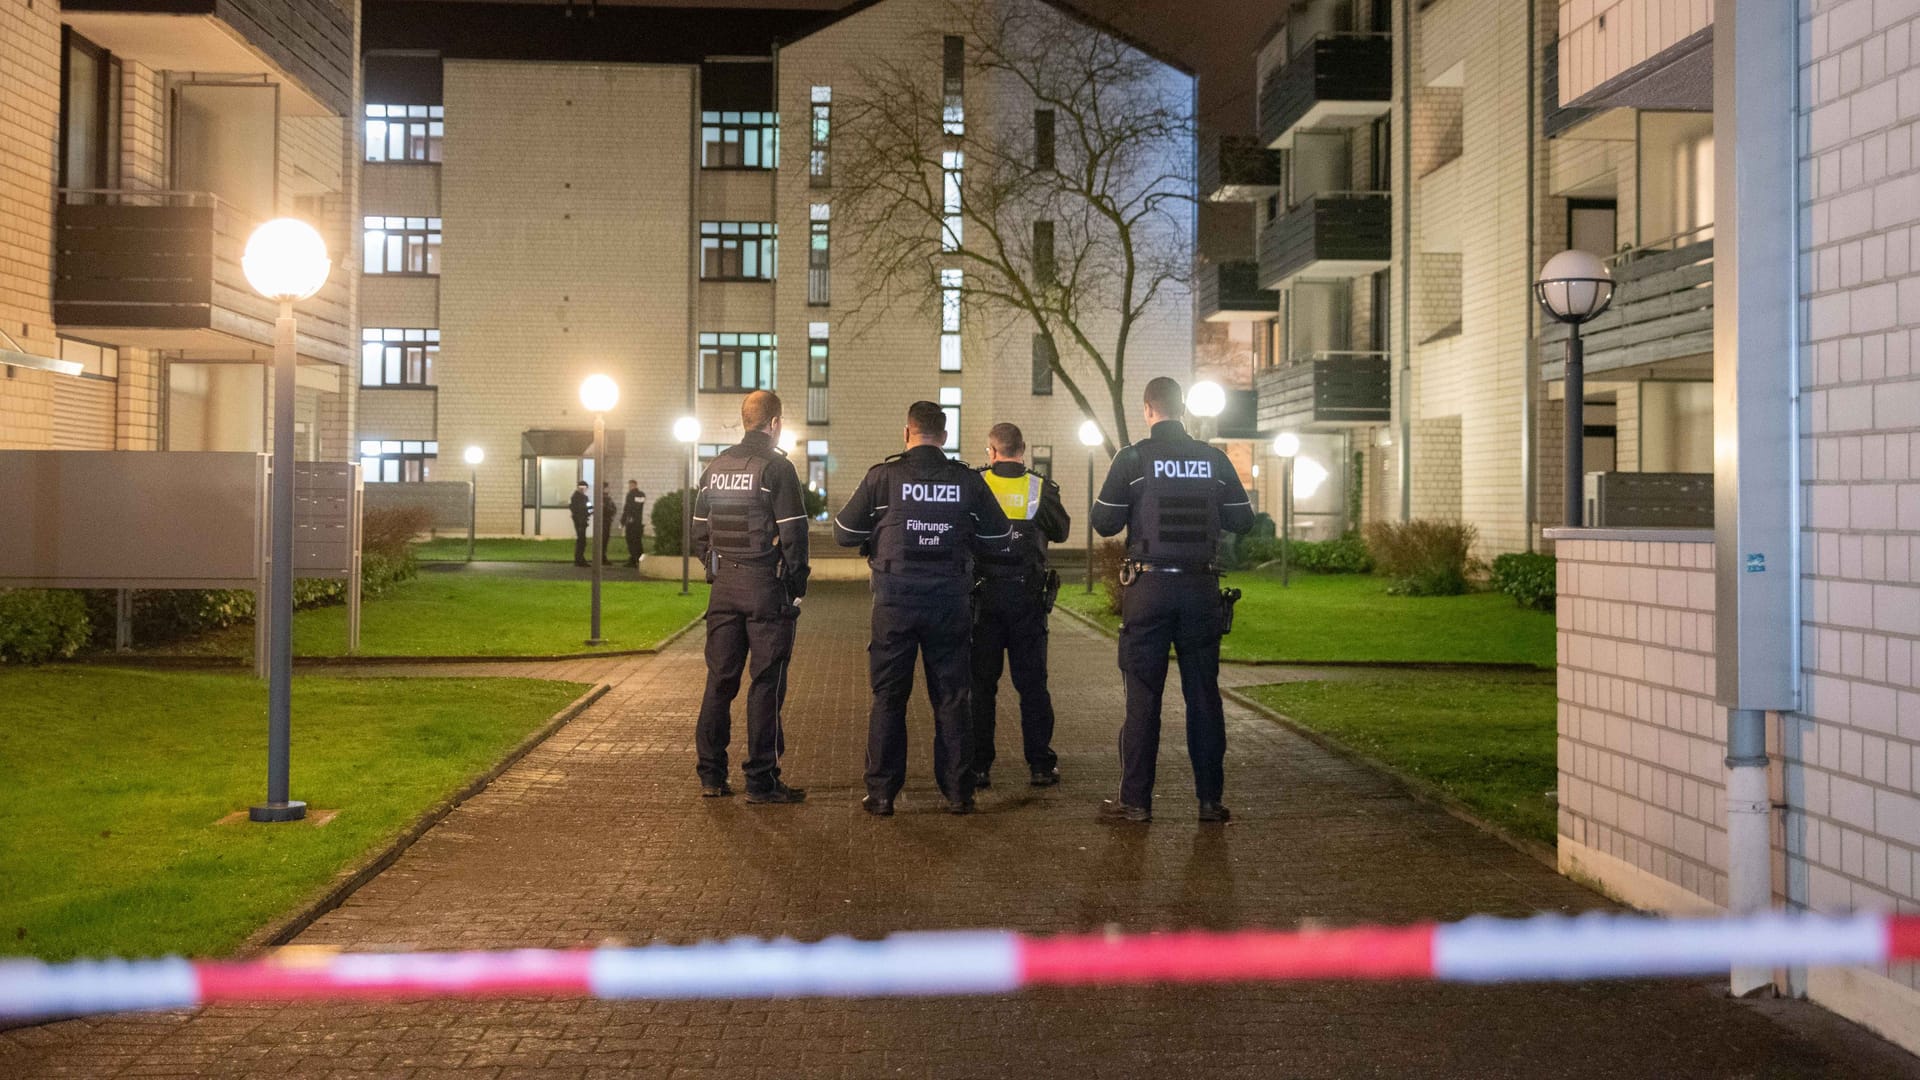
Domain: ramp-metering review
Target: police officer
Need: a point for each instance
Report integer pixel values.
(1173, 494)
(633, 519)
(750, 531)
(921, 518)
(578, 508)
(1015, 594)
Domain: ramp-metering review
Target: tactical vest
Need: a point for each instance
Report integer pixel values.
(740, 521)
(1176, 503)
(1019, 497)
(926, 527)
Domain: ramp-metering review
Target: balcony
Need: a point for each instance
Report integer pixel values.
(1661, 321)
(161, 270)
(1335, 234)
(1335, 80)
(1236, 168)
(305, 45)
(1231, 292)
(1326, 391)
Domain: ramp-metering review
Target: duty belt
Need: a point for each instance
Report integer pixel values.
(1131, 570)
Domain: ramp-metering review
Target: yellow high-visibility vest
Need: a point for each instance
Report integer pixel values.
(1019, 495)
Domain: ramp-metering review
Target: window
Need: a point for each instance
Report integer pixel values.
(950, 404)
(1380, 313)
(817, 468)
(819, 167)
(402, 245)
(1043, 359)
(89, 116)
(739, 140)
(738, 250)
(1043, 138)
(405, 132)
(953, 71)
(819, 284)
(951, 162)
(735, 363)
(951, 282)
(816, 354)
(102, 361)
(394, 461)
(1042, 460)
(1592, 224)
(398, 357)
(1043, 268)
(1380, 167)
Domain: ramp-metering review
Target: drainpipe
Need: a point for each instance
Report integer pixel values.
(1403, 202)
(1530, 377)
(1756, 482)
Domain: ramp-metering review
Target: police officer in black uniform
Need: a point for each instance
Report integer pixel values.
(1015, 593)
(1173, 494)
(921, 518)
(750, 531)
(579, 508)
(633, 519)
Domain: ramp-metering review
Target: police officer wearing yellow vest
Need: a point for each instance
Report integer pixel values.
(921, 518)
(1173, 494)
(1015, 594)
(750, 530)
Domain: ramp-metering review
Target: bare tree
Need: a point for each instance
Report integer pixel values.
(1113, 204)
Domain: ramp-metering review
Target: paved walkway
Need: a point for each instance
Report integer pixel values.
(598, 836)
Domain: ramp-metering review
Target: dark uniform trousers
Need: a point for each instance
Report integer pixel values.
(1010, 619)
(1181, 610)
(936, 627)
(747, 616)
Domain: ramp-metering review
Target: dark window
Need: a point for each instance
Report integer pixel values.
(398, 357)
(402, 245)
(1042, 460)
(1380, 325)
(89, 116)
(393, 461)
(1043, 138)
(1273, 208)
(1043, 266)
(953, 73)
(1592, 225)
(733, 363)
(405, 132)
(739, 140)
(819, 275)
(1381, 165)
(1043, 359)
(739, 250)
(819, 138)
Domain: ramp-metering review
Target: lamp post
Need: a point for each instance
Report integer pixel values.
(1575, 287)
(1090, 438)
(598, 394)
(474, 456)
(285, 260)
(1256, 488)
(1286, 447)
(687, 430)
(1207, 399)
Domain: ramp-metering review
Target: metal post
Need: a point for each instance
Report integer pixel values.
(686, 516)
(599, 518)
(123, 621)
(279, 807)
(1576, 391)
(473, 505)
(1089, 519)
(1286, 522)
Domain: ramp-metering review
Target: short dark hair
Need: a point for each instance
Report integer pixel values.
(926, 418)
(759, 409)
(1165, 397)
(1006, 439)
(582, 483)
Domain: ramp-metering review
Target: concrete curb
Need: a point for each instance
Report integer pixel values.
(350, 880)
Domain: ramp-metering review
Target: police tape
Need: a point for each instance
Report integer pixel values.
(1477, 950)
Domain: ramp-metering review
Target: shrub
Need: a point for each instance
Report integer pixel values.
(1108, 557)
(388, 531)
(666, 522)
(1341, 555)
(37, 625)
(1255, 546)
(1528, 577)
(1423, 557)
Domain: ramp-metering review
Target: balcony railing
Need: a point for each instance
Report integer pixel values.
(1662, 311)
(161, 269)
(1332, 81)
(817, 405)
(819, 286)
(1332, 234)
(1231, 292)
(1326, 390)
(1237, 168)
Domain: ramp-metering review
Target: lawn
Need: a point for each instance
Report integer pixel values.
(513, 549)
(115, 780)
(1350, 618)
(474, 614)
(1485, 740)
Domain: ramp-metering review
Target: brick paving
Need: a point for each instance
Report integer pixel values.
(598, 836)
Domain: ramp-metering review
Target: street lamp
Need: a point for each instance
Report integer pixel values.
(1286, 447)
(687, 430)
(474, 456)
(598, 394)
(285, 260)
(1090, 438)
(1575, 287)
(1207, 399)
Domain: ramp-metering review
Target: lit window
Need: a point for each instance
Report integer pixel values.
(950, 288)
(819, 172)
(950, 404)
(738, 250)
(392, 356)
(951, 163)
(99, 360)
(816, 354)
(735, 363)
(819, 281)
(402, 245)
(397, 461)
(739, 140)
(405, 132)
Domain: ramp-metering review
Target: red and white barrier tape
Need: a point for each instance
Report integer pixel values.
(1547, 947)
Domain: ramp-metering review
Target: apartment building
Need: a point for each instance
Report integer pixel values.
(142, 141)
(551, 193)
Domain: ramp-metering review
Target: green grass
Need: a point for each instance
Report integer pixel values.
(1487, 741)
(115, 779)
(473, 614)
(513, 549)
(1324, 618)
